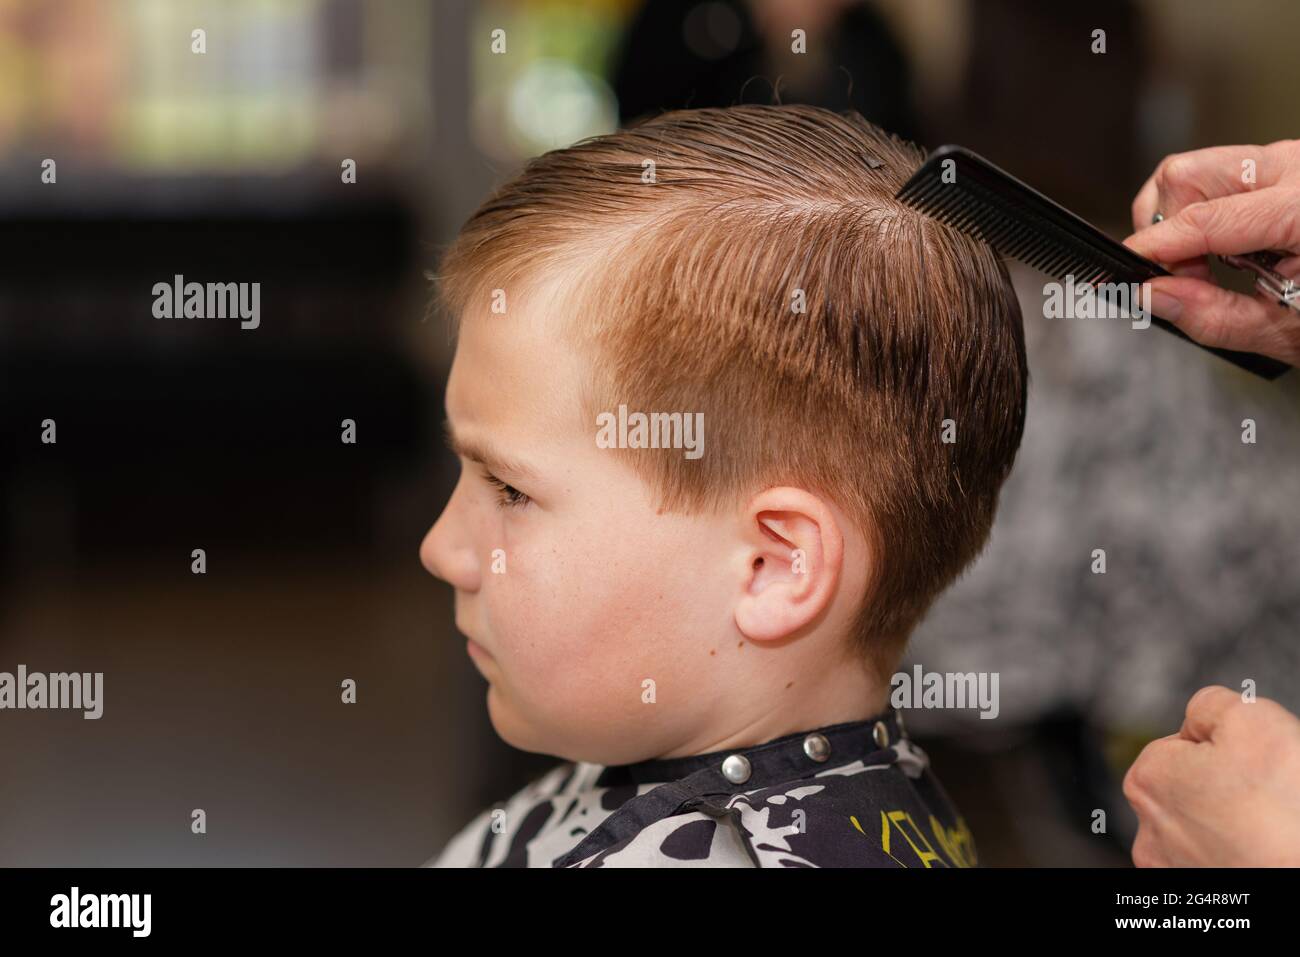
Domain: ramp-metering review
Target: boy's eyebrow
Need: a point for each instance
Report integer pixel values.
(483, 453)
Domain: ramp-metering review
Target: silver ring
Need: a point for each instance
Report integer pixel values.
(1158, 217)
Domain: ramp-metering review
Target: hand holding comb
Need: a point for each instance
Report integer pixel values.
(971, 194)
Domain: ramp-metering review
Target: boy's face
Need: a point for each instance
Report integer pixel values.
(593, 592)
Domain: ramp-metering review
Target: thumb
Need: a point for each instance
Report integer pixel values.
(1241, 223)
(1205, 710)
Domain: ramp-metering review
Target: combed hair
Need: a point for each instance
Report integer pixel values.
(689, 240)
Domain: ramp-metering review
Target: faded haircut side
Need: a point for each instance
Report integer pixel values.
(751, 263)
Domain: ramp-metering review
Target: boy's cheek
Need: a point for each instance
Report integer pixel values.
(583, 697)
(567, 640)
(594, 604)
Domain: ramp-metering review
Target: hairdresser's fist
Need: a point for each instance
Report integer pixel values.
(1223, 200)
(1222, 791)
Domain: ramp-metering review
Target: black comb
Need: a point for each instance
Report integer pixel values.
(1021, 223)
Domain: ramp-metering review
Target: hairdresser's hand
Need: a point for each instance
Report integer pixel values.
(1210, 205)
(1222, 791)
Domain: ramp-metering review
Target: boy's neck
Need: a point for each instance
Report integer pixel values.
(851, 694)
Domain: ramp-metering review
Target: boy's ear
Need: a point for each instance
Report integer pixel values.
(793, 552)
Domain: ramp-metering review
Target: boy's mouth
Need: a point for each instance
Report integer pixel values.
(472, 646)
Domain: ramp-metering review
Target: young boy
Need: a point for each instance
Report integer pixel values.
(729, 417)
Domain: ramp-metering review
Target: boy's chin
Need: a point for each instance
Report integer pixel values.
(509, 724)
(516, 730)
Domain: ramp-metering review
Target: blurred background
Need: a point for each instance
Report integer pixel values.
(222, 690)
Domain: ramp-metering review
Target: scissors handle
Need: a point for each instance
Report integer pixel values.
(1283, 291)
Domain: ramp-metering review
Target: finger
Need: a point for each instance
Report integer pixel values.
(1154, 775)
(1214, 316)
(1205, 710)
(1244, 222)
(1157, 786)
(1185, 178)
(1198, 268)
(1145, 204)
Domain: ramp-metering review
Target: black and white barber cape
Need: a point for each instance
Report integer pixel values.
(858, 794)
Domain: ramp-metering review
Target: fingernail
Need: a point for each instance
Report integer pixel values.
(1165, 306)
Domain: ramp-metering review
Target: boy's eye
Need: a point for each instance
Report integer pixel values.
(507, 495)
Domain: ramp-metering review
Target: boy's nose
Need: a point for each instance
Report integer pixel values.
(448, 553)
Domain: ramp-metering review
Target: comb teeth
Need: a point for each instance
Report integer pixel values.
(1019, 226)
(1021, 223)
